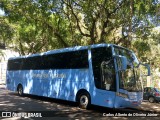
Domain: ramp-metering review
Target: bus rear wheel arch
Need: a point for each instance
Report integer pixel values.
(20, 90)
(83, 98)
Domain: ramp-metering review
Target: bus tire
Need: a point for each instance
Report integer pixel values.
(84, 100)
(20, 90)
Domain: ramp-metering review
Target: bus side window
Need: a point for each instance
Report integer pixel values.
(99, 55)
(107, 75)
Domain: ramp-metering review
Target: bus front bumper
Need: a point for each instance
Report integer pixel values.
(127, 103)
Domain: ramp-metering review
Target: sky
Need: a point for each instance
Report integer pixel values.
(1, 12)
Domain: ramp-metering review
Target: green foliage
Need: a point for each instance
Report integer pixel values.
(38, 28)
(32, 26)
(142, 49)
(6, 30)
(40, 25)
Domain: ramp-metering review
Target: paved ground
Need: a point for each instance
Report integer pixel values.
(147, 106)
(10, 101)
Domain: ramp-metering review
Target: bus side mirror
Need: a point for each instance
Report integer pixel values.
(121, 62)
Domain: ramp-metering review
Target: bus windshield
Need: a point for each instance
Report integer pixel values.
(130, 78)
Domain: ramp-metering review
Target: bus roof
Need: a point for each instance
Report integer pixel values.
(69, 49)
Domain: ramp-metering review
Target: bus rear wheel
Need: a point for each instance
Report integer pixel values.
(84, 101)
(20, 90)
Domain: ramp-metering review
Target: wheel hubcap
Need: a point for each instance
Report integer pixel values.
(20, 90)
(84, 100)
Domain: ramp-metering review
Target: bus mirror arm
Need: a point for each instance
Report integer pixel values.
(148, 68)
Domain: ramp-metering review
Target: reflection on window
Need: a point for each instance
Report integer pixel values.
(107, 75)
(103, 67)
(130, 80)
(123, 52)
(119, 64)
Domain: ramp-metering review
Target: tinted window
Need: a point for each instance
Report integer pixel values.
(123, 52)
(74, 60)
(33, 63)
(103, 67)
(67, 60)
(15, 64)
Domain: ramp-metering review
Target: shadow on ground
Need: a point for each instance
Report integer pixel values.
(50, 107)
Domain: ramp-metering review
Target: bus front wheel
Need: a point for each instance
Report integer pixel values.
(84, 101)
(20, 90)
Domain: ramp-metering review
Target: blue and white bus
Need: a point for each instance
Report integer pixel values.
(103, 74)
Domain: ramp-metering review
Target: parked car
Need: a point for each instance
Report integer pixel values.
(151, 94)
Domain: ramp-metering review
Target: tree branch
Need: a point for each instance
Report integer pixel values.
(105, 24)
(77, 20)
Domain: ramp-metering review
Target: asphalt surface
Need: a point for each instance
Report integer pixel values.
(57, 109)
